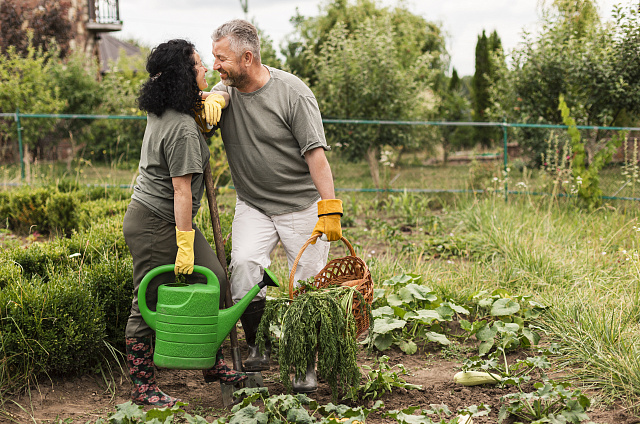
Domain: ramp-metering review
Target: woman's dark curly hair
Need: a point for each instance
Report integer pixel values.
(172, 79)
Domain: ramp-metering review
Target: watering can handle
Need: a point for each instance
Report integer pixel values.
(150, 316)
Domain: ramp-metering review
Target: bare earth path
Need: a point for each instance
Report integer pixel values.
(85, 399)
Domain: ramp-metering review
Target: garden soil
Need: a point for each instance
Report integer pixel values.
(87, 398)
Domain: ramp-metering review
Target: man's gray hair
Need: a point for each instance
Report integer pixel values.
(242, 36)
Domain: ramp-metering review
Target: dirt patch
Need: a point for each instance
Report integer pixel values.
(89, 397)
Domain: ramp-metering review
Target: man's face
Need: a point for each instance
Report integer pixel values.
(225, 61)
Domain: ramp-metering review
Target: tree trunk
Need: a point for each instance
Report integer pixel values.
(26, 157)
(372, 159)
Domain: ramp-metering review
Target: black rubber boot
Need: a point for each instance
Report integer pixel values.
(310, 382)
(250, 321)
(143, 376)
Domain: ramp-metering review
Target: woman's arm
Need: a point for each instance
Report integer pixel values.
(182, 202)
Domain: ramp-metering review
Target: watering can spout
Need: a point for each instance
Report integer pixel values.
(227, 318)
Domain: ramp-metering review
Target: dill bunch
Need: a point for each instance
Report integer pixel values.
(316, 321)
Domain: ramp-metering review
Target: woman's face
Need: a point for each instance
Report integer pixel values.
(200, 71)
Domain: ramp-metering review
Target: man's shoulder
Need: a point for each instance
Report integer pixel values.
(290, 81)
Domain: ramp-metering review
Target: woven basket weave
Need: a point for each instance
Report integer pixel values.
(348, 271)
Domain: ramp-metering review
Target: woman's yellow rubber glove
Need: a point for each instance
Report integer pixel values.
(184, 258)
(213, 105)
(329, 213)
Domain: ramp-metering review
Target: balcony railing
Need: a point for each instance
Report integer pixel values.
(104, 15)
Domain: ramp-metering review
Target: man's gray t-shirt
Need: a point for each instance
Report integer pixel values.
(172, 147)
(265, 135)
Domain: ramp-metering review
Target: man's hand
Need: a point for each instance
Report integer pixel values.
(184, 258)
(213, 105)
(329, 213)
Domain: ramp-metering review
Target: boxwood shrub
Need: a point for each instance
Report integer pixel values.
(54, 327)
(111, 284)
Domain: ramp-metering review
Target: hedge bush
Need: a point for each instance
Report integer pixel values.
(111, 284)
(59, 209)
(54, 327)
(63, 301)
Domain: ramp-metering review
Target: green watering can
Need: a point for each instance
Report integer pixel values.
(189, 325)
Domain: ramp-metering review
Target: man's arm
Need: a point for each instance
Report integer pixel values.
(320, 172)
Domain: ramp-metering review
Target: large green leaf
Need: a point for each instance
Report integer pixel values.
(486, 333)
(424, 316)
(299, 416)
(408, 346)
(412, 292)
(438, 338)
(504, 306)
(385, 311)
(382, 342)
(386, 325)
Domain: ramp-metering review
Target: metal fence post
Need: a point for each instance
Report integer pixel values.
(20, 143)
(506, 159)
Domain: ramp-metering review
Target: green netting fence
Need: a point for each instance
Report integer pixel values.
(502, 169)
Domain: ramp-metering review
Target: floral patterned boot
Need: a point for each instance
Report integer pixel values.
(142, 372)
(222, 372)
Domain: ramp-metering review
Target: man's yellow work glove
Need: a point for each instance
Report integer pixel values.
(213, 105)
(329, 213)
(184, 258)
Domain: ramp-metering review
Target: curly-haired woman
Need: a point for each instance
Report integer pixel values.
(158, 225)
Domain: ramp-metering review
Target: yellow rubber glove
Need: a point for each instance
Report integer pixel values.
(329, 213)
(184, 258)
(213, 105)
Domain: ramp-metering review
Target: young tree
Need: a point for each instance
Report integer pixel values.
(595, 67)
(488, 58)
(377, 88)
(455, 107)
(412, 34)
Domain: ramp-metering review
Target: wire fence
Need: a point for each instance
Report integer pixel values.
(506, 169)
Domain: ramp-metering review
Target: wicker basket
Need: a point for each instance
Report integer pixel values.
(347, 271)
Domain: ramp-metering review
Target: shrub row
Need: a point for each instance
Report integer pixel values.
(63, 301)
(58, 209)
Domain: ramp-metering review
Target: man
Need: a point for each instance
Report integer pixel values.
(274, 139)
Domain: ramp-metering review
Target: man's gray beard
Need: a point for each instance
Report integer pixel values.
(237, 81)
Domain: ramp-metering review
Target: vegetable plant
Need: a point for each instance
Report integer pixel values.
(551, 402)
(384, 380)
(503, 321)
(413, 313)
(407, 416)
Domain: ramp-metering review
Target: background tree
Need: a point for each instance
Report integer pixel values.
(595, 67)
(25, 83)
(48, 22)
(376, 87)
(489, 56)
(455, 107)
(412, 34)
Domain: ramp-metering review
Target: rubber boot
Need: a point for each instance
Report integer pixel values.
(310, 382)
(142, 373)
(250, 321)
(221, 372)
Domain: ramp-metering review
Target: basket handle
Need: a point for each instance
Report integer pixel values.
(302, 249)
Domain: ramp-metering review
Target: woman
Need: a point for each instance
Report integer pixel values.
(158, 226)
